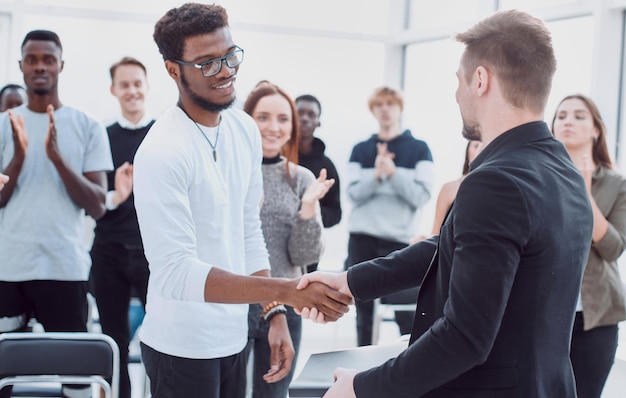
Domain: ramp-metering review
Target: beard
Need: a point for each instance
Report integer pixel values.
(471, 132)
(201, 102)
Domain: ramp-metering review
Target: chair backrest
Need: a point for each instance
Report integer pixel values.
(59, 356)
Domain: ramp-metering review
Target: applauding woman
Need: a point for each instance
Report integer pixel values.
(290, 219)
(578, 124)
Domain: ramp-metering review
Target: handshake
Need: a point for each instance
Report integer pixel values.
(322, 296)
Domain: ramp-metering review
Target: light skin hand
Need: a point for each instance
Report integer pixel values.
(313, 194)
(20, 138)
(384, 165)
(281, 349)
(3, 180)
(123, 183)
(337, 281)
(52, 147)
(344, 384)
(600, 223)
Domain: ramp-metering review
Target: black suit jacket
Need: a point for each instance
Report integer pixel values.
(498, 290)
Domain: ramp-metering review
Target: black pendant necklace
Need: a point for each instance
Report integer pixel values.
(217, 135)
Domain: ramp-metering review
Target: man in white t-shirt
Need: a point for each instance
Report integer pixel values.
(56, 158)
(198, 186)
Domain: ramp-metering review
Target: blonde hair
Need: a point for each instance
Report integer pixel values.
(385, 92)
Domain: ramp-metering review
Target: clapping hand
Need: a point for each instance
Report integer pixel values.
(52, 146)
(123, 183)
(20, 138)
(314, 193)
(384, 164)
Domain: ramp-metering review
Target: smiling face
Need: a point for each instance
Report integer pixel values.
(573, 125)
(41, 64)
(272, 115)
(213, 93)
(130, 87)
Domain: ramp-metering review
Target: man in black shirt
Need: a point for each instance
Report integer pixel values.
(311, 155)
(119, 266)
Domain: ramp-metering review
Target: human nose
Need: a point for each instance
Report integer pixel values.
(273, 124)
(225, 69)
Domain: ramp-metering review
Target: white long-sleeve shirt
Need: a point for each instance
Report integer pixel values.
(196, 213)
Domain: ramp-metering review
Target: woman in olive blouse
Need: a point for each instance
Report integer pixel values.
(579, 126)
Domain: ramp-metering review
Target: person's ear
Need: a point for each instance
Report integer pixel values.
(482, 80)
(173, 69)
(62, 65)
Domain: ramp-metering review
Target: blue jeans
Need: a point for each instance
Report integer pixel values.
(259, 347)
(592, 355)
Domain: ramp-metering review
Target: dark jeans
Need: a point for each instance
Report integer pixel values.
(116, 271)
(362, 248)
(592, 355)
(259, 347)
(176, 377)
(60, 306)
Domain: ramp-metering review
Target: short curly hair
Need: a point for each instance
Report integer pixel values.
(188, 20)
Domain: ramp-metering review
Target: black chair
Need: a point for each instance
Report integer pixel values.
(68, 358)
(385, 307)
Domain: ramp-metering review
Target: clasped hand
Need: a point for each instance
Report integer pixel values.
(336, 285)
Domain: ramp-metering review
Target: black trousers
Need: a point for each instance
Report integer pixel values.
(592, 355)
(362, 248)
(60, 306)
(176, 377)
(116, 272)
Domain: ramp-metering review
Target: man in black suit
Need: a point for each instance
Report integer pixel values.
(498, 286)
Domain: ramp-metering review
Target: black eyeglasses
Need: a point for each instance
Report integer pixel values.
(213, 66)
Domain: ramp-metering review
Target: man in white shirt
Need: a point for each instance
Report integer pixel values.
(198, 187)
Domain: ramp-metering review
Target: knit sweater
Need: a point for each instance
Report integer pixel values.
(292, 243)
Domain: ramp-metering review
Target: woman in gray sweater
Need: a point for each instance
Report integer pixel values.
(290, 219)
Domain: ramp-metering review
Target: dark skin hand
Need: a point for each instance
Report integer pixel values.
(13, 169)
(225, 287)
(258, 289)
(87, 190)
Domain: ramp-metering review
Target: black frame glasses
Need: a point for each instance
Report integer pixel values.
(232, 59)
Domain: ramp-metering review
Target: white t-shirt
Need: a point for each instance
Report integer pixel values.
(41, 228)
(194, 214)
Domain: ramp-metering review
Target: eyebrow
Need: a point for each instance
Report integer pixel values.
(210, 57)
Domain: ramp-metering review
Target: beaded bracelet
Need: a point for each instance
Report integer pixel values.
(269, 307)
(279, 309)
(272, 306)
